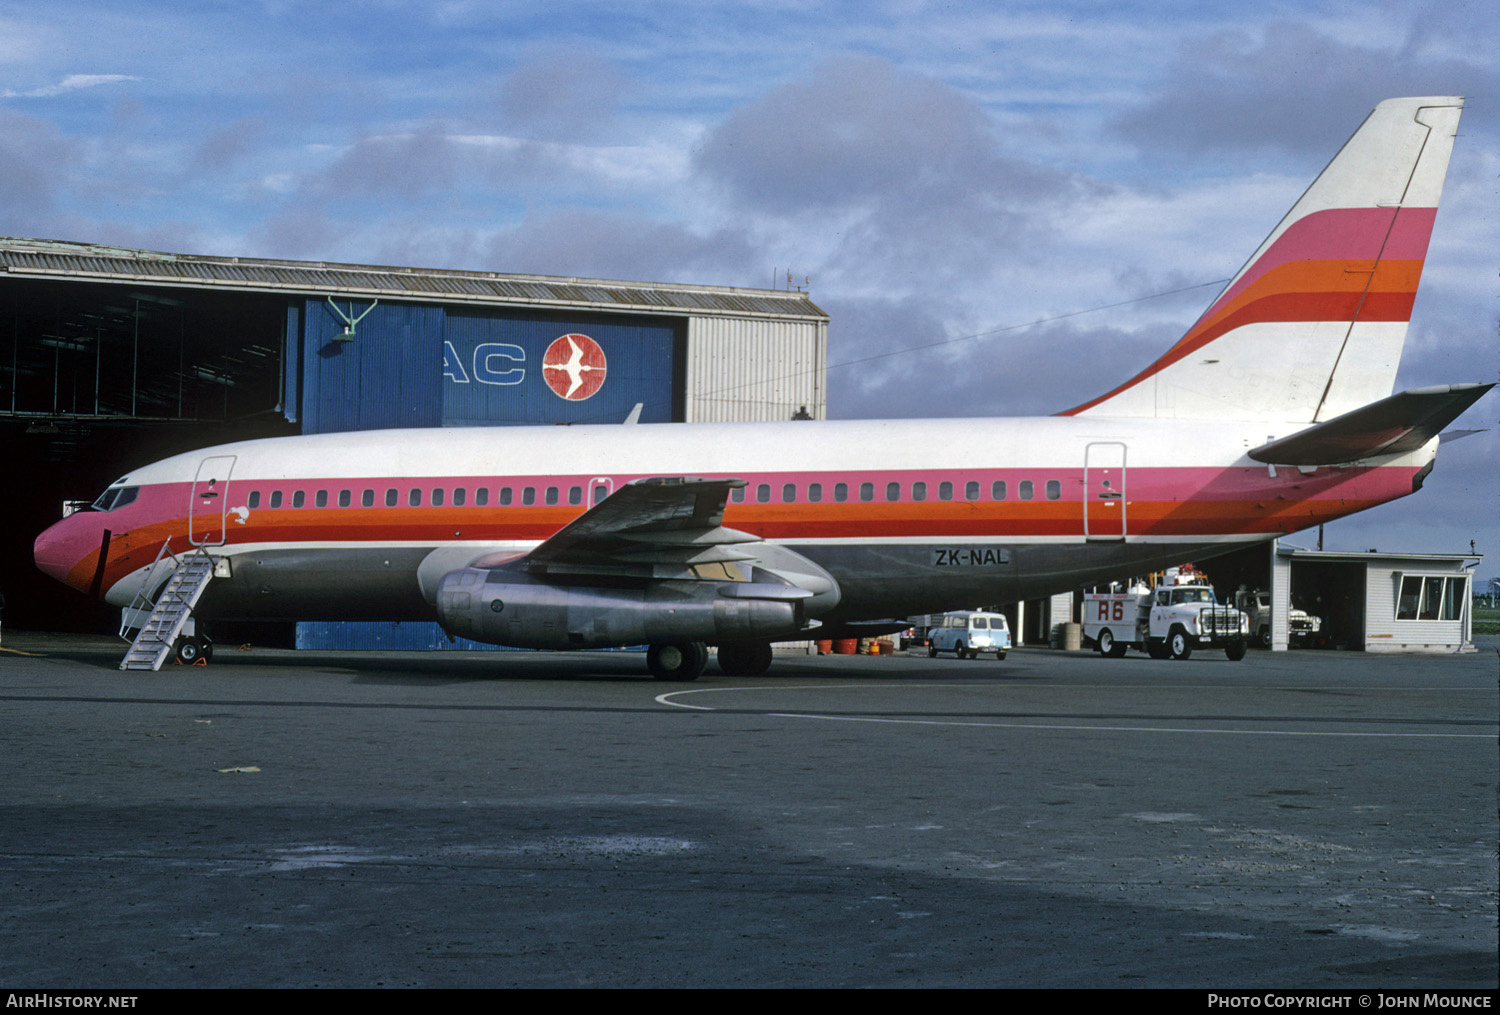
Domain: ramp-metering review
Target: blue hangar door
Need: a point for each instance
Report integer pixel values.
(523, 368)
(424, 366)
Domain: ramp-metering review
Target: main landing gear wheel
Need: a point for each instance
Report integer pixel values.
(677, 661)
(745, 659)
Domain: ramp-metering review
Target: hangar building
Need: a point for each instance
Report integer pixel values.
(111, 358)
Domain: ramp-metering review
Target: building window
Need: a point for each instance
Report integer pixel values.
(1431, 597)
(601, 491)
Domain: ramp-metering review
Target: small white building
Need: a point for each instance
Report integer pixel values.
(1378, 602)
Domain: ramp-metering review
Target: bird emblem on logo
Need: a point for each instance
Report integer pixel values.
(574, 367)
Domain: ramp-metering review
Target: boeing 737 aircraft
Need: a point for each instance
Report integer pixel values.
(1272, 414)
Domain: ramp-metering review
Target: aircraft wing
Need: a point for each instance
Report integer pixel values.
(661, 527)
(1402, 422)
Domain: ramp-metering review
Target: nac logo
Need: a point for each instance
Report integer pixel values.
(574, 367)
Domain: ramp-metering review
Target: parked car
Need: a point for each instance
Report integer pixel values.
(970, 632)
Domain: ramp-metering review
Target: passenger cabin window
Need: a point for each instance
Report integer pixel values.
(437, 497)
(919, 491)
(841, 492)
(390, 498)
(414, 499)
(551, 495)
(788, 493)
(345, 498)
(1026, 489)
(815, 492)
(367, 499)
(763, 493)
(945, 490)
(321, 500)
(482, 496)
(738, 495)
(528, 496)
(276, 498)
(505, 496)
(460, 497)
(893, 491)
(1054, 489)
(254, 500)
(997, 490)
(971, 490)
(299, 498)
(575, 495)
(867, 491)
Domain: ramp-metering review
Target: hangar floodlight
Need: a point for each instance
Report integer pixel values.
(347, 335)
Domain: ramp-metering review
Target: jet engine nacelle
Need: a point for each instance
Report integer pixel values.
(510, 608)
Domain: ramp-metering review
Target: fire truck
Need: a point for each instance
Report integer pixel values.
(1172, 619)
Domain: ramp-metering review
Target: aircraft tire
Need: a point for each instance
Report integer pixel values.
(677, 660)
(189, 650)
(745, 658)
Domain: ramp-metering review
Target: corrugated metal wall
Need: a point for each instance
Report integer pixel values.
(740, 369)
(387, 376)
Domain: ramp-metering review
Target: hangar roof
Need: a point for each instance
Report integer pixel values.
(63, 260)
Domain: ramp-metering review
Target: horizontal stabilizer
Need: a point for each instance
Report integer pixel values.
(1400, 423)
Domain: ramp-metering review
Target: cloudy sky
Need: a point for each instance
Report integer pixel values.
(947, 174)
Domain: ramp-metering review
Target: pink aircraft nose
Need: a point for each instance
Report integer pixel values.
(58, 549)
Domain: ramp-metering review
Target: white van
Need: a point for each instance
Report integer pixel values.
(970, 632)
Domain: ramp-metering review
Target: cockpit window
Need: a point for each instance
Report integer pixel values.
(116, 497)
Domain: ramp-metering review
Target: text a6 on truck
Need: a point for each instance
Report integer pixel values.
(1181, 614)
(970, 632)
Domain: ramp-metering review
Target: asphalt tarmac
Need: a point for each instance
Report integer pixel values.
(1296, 820)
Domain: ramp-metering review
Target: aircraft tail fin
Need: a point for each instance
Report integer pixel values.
(1312, 326)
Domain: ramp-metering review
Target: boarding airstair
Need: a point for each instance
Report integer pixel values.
(174, 608)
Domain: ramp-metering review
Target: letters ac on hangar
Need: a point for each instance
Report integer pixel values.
(112, 357)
